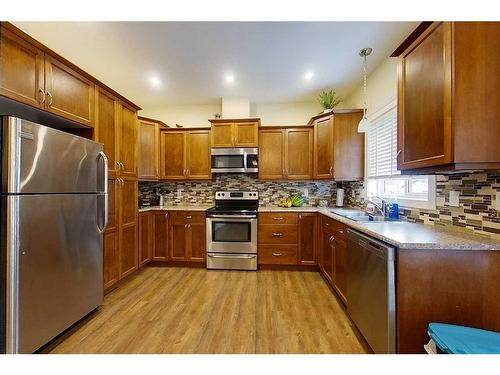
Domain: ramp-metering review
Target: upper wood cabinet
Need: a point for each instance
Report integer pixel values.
(129, 141)
(235, 133)
(448, 95)
(285, 153)
(323, 148)
(107, 127)
(185, 155)
(339, 150)
(149, 148)
(32, 74)
(21, 70)
(68, 93)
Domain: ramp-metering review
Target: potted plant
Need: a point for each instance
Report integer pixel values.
(329, 100)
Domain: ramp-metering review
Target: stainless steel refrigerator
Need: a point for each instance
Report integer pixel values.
(53, 214)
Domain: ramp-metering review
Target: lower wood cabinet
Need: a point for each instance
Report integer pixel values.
(333, 254)
(287, 238)
(160, 240)
(187, 236)
(146, 236)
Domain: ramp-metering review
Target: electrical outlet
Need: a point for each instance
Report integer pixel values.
(179, 193)
(497, 204)
(305, 193)
(454, 198)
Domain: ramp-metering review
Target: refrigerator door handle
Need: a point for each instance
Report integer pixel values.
(105, 175)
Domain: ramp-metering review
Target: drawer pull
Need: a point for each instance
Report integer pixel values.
(341, 231)
(278, 234)
(189, 217)
(277, 218)
(276, 254)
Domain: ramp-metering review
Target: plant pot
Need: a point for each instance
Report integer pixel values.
(327, 110)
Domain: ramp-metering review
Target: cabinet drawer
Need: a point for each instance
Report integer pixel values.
(187, 216)
(340, 230)
(278, 218)
(278, 234)
(277, 254)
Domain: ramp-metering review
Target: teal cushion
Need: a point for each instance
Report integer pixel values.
(464, 340)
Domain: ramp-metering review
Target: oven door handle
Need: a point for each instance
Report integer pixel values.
(232, 256)
(229, 217)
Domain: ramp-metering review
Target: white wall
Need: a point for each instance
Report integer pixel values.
(270, 113)
(382, 88)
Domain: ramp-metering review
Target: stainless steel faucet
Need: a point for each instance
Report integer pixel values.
(382, 208)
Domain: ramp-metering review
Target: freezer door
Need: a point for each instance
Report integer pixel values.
(55, 253)
(39, 159)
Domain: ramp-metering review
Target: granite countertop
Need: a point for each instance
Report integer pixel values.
(406, 235)
(199, 207)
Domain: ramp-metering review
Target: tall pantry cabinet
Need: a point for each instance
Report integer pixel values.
(118, 129)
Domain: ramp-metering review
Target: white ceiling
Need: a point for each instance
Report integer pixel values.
(268, 59)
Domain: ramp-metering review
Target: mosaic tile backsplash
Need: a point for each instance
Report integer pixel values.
(270, 192)
(476, 213)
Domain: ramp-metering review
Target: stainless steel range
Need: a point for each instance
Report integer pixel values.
(232, 231)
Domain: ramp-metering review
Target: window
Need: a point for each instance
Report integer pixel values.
(383, 178)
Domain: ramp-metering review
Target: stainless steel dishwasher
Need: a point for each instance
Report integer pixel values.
(371, 290)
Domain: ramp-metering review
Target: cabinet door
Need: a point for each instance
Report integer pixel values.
(197, 238)
(307, 238)
(145, 237)
(111, 244)
(327, 256)
(129, 140)
(323, 148)
(160, 240)
(106, 124)
(222, 135)
(298, 154)
(348, 147)
(21, 70)
(246, 134)
(271, 154)
(198, 155)
(424, 100)
(340, 259)
(68, 93)
(128, 227)
(172, 155)
(149, 149)
(178, 243)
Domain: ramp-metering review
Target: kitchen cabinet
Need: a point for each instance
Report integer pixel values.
(21, 70)
(187, 236)
(149, 149)
(160, 240)
(307, 223)
(111, 245)
(448, 91)
(327, 249)
(107, 128)
(185, 155)
(338, 147)
(287, 238)
(68, 93)
(235, 133)
(128, 228)
(128, 141)
(285, 153)
(32, 74)
(146, 237)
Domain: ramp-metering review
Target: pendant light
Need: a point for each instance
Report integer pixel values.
(364, 124)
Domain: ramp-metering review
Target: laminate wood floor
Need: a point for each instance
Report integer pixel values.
(190, 310)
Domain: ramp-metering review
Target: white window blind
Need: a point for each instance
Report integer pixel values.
(382, 145)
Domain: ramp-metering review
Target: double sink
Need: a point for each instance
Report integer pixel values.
(357, 215)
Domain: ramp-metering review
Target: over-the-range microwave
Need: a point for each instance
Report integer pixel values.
(235, 160)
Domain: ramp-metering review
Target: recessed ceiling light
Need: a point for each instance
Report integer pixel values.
(308, 76)
(154, 81)
(229, 78)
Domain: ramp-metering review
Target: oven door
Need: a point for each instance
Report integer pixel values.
(232, 235)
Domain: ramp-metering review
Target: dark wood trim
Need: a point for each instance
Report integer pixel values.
(176, 263)
(270, 127)
(147, 119)
(289, 267)
(411, 38)
(58, 57)
(333, 112)
(239, 120)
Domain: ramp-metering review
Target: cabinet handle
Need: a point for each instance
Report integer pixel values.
(117, 164)
(278, 234)
(50, 97)
(166, 215)
(188, 225)
(188, 172)
(277, 218)
(40, 90)
(189, 217)
(123, 166)
(275, 254)
(397, 154)
(331, 171)
(341, 231)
